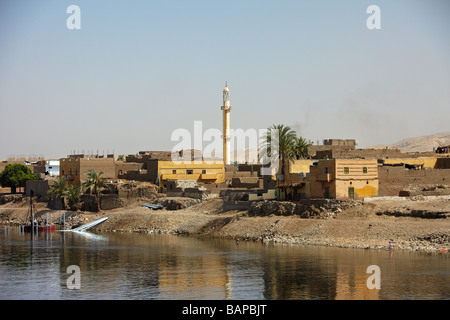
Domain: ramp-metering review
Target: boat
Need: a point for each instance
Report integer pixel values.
(49, 228)
(152, 206)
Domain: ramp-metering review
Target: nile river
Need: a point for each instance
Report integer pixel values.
(145, 266)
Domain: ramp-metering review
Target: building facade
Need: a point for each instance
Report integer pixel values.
(74, 168)
(160, 171)
(344, 179)
(295, 183)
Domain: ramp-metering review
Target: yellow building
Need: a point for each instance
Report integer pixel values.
(204, 171)
(425, 162)
(344, 179)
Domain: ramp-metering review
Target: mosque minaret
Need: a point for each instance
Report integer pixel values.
(226, 126)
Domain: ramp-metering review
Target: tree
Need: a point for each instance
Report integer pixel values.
(286, 138)
(15, 176)
(301, 148)
(94, 183)
(58, 189)
(74, 196)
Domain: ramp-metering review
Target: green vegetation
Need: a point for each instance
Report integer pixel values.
(301, 148)
(94, 183)
(15, 176)
(290, 147)
(59, 188)
(74, 197)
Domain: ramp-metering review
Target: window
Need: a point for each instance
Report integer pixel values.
(204, 171)
(346, 170)
(325, 170)
(174, 171)
(364, 169)
(189, 171)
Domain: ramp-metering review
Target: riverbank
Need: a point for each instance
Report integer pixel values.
(363, 225)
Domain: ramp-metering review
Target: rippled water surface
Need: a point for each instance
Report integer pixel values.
(143, 266)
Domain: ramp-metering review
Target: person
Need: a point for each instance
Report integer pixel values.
(391, 245)
(237, 241)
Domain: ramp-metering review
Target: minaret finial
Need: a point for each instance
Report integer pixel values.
(226, 84)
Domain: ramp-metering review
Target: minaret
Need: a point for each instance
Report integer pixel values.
(226, 125)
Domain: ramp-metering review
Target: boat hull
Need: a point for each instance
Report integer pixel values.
(51, 228)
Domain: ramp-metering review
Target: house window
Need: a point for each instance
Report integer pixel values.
(325, 170)
(364, 169)
(174, 171)
(189, 171)
(346, 170)
(203, 171)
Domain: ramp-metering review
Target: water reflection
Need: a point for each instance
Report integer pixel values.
(142, 266)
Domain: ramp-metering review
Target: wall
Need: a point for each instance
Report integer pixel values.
(121, 167)
(74, 169)
(427, 162)
(38, 187)
(392, 180)
(247, 182)
(443, 163)
(214, 172)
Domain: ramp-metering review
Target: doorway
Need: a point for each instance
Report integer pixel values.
(351, 193)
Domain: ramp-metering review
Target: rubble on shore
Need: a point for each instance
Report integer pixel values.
(347, 224)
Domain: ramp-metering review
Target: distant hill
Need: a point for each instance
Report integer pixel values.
(419, 144)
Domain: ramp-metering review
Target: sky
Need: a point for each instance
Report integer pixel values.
(136, 71)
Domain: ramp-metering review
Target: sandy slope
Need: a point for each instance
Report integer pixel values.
(359, 226)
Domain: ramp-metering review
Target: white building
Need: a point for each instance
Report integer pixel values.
(52, 167)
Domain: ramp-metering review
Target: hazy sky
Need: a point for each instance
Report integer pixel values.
(138, 70)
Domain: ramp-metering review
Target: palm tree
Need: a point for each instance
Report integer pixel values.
(94, 183)
(302, 148)
(74, 196)
(58, 189)
(286, 139)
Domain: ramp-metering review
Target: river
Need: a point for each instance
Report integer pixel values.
(145, 266)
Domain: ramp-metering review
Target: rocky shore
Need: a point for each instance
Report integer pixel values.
(414, 224)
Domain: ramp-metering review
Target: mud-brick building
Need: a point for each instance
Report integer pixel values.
(294, 184)
(200, 171)
(344, 178)
(74, 168)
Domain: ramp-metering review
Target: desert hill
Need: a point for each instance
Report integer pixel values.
(420, 144)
